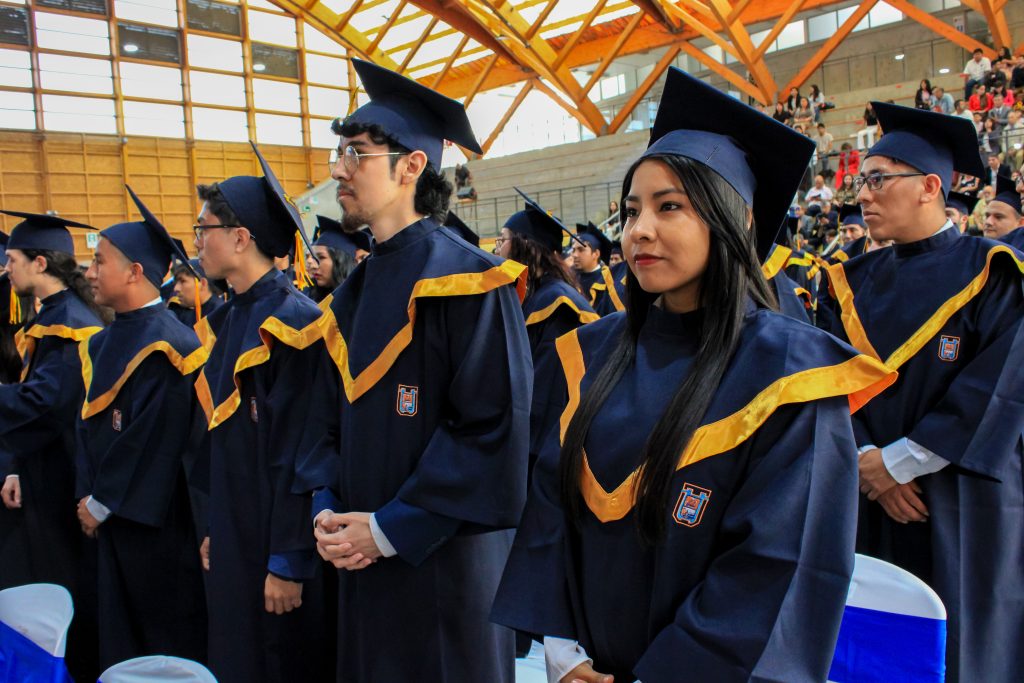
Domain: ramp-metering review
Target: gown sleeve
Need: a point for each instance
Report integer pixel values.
(40, 409)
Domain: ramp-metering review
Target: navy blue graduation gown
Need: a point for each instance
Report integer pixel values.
(42, 542)
(605, 292)
(751, 578)
(1014, 238)
(253, 391)
(430, 365)
(132, 437)
(946, 312)
(794, 300)
(552, 310)
(188, 315)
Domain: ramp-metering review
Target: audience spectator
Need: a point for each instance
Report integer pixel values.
(781, 114)
(804, 114)
(981, 100)
(1007, 95)
(849, 162)
(942, 101)
(819, 194)
(923, 97)
(613, 214)
(967, 184)
(793, 101)
(1000, 112)
(961, 110)
(990, 137)
(978, 215)
(996, 77)
(818, 102)
(974, 71)
(978, 119)
(823, 140)
(995, 169)
(846, 195)
(1017, 77)
(866, 135)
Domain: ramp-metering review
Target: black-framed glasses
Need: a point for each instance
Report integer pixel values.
(200, 230)
(874, 181)
(498, 241)
(350, 156)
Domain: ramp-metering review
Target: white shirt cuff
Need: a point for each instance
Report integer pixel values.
(97, 509)
(12, 475)
(907, 460)
(864, 449)
(561, 656)
(383, 544)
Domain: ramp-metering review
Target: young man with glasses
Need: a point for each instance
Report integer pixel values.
(428, 393)
(940, 451)
(264, 607)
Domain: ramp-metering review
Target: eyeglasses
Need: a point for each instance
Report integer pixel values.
(874, 181)
(200, 230)
(351, 156)
(498, 241)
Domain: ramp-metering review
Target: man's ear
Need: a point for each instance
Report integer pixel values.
(931, 188)
(415, 164)
(135, 273)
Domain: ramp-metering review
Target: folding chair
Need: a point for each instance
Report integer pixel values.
(34, 621)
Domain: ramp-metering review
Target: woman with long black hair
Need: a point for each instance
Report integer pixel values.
(552, 307)
(695, 513)
(335, 254)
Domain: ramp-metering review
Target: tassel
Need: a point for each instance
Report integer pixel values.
(302, 279)
(199, 303)
(14, 316)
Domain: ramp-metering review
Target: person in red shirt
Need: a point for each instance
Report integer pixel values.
(980, 100)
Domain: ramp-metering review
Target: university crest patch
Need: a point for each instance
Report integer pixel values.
(693, 500)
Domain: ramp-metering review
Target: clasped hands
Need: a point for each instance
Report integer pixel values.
(901, 502)
(345, 539)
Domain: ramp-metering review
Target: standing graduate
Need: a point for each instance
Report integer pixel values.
(426, 459)
(697, 514)
(264, 607)
(39, 537)
(591, 252)
(334, 256)
(794, 300)
(1003, 214)
(940, 451)
(552, 307)
(13, 311)
(195, 295)
(959, 208)
(132, 437)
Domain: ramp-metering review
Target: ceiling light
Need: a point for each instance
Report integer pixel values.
(130, 48)
(899, 57)
(259, 67)
(943, 71)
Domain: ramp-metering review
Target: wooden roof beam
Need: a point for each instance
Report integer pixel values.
(641, 91)
(940, 27)
(507, 116)
(337, 28)
(575, 38)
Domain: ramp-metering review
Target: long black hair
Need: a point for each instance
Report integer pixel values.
(732, 277)
(540, 263)
(64, 267)
(341, 266)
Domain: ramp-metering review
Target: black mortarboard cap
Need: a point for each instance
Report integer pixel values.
(1006, 192)
(331, 235)
(44, 232)
(536, 224)
(3, 248)
(851, 213)
(964, 203)
(928, 141)
(147, 243)
(760, 158)
(455, 224)
(595, 237)
(415, 116)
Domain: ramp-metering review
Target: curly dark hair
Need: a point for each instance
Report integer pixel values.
(433, 191)
(540, 263)
(65, 268)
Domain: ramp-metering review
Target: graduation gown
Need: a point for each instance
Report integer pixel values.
(188, 315)
(958, 395)
(132, 437)
(253, 392)
(751, 578)
(42, 542)
(603, 290)
(1014, 238)
(430, 364)
(552, 310)
(794, 300)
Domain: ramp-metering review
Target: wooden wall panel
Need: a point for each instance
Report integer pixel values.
(82, 177)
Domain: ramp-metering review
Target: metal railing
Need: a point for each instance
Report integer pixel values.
(571, 205)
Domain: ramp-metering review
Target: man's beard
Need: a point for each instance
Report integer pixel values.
(352, 222)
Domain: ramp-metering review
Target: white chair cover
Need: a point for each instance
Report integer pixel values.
(531, 669)
(894, 628)
(41, 612)
(157, 668)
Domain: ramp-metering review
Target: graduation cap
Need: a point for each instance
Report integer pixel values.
(415, 116)
(617, 247)
(262, 206)
(536, 224)
(850, 214)
(760, 158)
(3, 248)
(147, 243)
(1006, 192)
(42, 231)
(453, 222)
(331, 235)
(928, 141)
(964, 203)
(592, 235)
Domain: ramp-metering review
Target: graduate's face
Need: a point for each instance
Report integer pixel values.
(1000, 219)
(373, 187)
(185, 289)
(323, 270)
(584, 257)
(901, 209)
(505, 248)
(22, 272)
(664, 240)
(958, 219)
(850, 233)
(111, 274)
